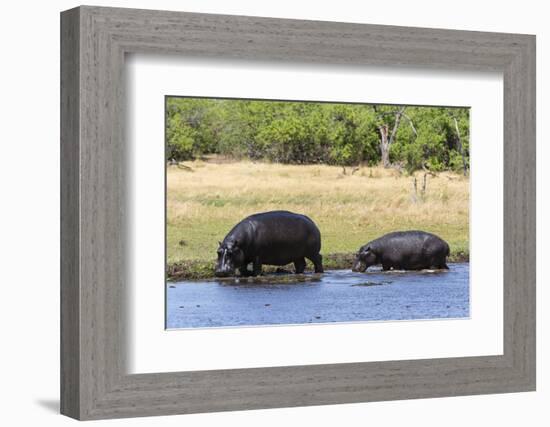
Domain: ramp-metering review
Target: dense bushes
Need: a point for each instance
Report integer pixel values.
(310, 132)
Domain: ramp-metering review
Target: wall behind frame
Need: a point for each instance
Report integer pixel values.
(29, 220)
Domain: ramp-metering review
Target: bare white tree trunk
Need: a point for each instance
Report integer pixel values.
(387, 140)
(384, 145)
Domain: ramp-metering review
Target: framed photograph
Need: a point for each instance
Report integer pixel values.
(256, 190)
(261, 213)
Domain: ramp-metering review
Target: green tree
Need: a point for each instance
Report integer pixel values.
(435, 138)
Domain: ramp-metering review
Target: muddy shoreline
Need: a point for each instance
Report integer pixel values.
(204, 270)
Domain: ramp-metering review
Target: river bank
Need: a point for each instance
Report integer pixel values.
(199, 269)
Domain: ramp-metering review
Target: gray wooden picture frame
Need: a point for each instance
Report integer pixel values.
(94, 382)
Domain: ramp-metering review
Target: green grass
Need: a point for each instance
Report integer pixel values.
(205, 201)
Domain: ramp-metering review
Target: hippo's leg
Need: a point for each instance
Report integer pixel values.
(244, 270)
(440, 263)
(317, 261)
(386, 267)
(256, 267)
(300, 265)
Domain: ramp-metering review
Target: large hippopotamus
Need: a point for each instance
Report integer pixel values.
(403, 250)
(274, 238)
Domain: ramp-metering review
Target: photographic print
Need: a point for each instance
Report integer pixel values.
(297, 212)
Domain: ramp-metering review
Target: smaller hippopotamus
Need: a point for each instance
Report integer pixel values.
(403, 250)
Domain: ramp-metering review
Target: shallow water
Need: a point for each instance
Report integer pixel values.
(335, 296)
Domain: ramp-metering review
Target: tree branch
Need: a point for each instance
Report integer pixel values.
(398, 116)
(412, 125)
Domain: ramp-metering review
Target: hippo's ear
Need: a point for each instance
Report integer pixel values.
(219, 244)
(367, 249)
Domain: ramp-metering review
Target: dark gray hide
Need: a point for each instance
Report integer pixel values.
(403, 250)
(273, 238)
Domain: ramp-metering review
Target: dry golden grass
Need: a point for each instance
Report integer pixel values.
(205, 201)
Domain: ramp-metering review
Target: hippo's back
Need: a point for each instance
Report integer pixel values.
(413, 237)
(413, 245)
(284, 218)
(283, 232)
(284, 225)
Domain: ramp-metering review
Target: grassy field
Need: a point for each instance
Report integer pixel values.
(206, 198)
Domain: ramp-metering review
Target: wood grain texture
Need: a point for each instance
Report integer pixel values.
(70, 292)
(94, 240)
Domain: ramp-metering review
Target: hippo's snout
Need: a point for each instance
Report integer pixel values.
(359, 266)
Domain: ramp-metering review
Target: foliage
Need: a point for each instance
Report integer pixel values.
(435, 145)
(294, 132)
